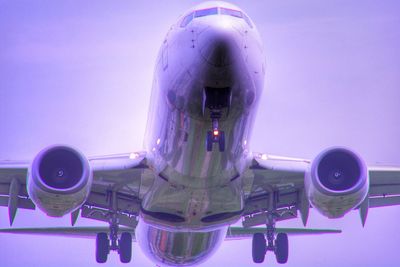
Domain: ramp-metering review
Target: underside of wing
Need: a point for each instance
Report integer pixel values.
(118, 183)
(235, 233)
(78, 232)
(13, 193)
(384, 186)
(114, 184)
(276, 187)
(335, 182)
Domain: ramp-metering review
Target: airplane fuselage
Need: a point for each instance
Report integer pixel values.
(216, 57)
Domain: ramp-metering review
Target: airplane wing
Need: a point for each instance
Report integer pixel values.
(384, 186)
(278, 187)
(234, 233)
(239, 233)
(78, 232)
(123, 176)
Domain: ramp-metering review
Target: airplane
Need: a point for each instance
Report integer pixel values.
(197, 175)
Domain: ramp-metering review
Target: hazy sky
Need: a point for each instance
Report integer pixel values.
(80, 73)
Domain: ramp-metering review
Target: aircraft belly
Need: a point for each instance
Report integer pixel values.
(172, 206)
(175, 248)
(198, 191)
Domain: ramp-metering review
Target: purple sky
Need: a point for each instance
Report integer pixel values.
(80, 73)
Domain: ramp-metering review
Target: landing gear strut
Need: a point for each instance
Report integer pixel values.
(107, 242)
(217, 101)
(215, 136)
(268, 242)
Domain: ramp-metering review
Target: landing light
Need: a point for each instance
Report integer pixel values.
(133, 155)
(216, 132)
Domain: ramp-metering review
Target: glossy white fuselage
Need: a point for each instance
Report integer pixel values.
(198, 193)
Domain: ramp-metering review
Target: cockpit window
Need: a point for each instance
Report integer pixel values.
(235, 13)
(246, 18)
(214, 11)
(187, 19)
(231, 12)
(206, 12)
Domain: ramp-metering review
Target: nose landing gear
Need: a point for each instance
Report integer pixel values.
(215, 136)
(217, 101)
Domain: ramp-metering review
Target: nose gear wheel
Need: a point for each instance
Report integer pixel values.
(218, 102)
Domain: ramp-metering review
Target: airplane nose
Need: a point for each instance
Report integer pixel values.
(218, 44)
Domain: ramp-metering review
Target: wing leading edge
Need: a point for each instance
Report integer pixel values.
(117, 177)
(234, 233)
(278, 188)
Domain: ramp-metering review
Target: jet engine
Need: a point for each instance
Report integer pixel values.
(59, 180)
(336, 182)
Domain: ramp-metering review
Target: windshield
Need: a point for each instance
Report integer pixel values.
(231, 12)
(187, 19)
(214, 11)
(206, 12)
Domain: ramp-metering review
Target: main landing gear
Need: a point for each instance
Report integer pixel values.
(268, 242)
(107, 242)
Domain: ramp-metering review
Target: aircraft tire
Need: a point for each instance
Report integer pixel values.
(102, 247)
(209, 141)
(282, 248)
(221, 142)
(259, 248)
(125, 247)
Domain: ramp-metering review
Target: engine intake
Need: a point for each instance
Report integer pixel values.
(339, 170)
(59, 180)
(337, 182)
(61, 168)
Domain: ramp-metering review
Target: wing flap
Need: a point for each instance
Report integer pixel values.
(376, 202)
(384, 186)
(235, 233)
(384, 180)
(78, 232)
(118, 175)
(276, 184)
(23, 203)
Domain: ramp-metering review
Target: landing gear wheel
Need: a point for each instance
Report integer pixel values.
(259, 248)
(125, 247)
(102, 247)
(209, 141)
(281, 248)
(221, 142)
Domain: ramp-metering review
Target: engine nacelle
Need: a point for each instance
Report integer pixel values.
(336, 182)
(59, 180)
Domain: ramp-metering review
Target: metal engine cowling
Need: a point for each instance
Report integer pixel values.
(336, 182)
(59, 180)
